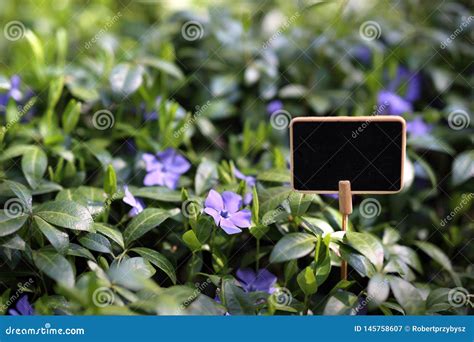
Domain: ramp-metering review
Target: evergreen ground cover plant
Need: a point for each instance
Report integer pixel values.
(144, 158)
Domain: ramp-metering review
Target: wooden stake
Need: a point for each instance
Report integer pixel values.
(345, 208)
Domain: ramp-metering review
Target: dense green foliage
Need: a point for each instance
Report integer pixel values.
(104, 83)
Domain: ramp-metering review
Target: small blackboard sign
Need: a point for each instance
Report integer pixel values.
(368, 151)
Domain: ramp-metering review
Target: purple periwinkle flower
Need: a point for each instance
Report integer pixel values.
(136, 204)
(400, 93)
(165, 168)
(225, 210)
(418, 127)
(362, 54)
(274, 106)
(250, 181)
(251, 281)
(22, 308)
(13, 92)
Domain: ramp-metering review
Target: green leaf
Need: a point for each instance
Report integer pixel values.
(57, 238)
(378, 288)
(255, 206)
(66, 214)
(126, 78)
(307, 281)
(112, 233)
(316, 226)
(341, 303)
(158, 193)
(438, 255)
(192, 241)
(292, 246)
(275, 175)
(131, 273)
(369, 246)
(235, 299)
(110, 182)
(357, 261)
(164, 66)
(203, 228)
(79, 251)
(158, 260)
(96, 242)
(71, 116)
(55, 266)
(10, 223)
(272, 197)
(34, 163)
(13, 242)
(429, 142)
(144, 222)
(463, 167)
(299, 203)
(22, 193)
(407, 295)
(206, 176)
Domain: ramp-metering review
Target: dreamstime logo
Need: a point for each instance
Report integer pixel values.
(281, 29)
(370, 30)
(103, 296)
(22, 287)
(281, 297)
(103, 119)
(192, 30)
(191, 208)
(98, 36)
(192, 120)
(464, 24)
(459, 296)
(199, 288)
(370, 208)
(14, 208)
(377, 110)
(458, 119)
(466, 199)
(280, 119)
(14, 30)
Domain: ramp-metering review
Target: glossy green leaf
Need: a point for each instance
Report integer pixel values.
(96, 242)
(126, 78)
(66, 214)
(369, 246)
(143, 223)
(112, 233)
(55, 266)
(407, 295)
(34, 163)
(158, 260)
(57, 238)
(292, 246)
(10, 223)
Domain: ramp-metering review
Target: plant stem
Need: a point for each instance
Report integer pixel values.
(257, 256)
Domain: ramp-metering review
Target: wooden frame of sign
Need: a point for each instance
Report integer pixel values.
(365, 153)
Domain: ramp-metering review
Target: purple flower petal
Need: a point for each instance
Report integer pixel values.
(214, 200)
(136, 204)
(171, 180)
(214, 213)
(418, 127)
(232, 201)
(248, 179)
(151, 163)
(246, 275)
(229, 227)
(264, 281)
(274, 106)
(248, 197)
(242, 218)
(154, 178)
(391, 103)
(23, 308)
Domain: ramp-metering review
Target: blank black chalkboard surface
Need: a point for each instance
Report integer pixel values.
(368, 151)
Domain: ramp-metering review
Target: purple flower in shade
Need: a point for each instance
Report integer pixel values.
(165, 168)
(136, 204)
(251, 281)
(407, 84)
(225, 211)
(335, 196)
(391, 103)
(362, 54)
(274, 106)
(13, 92)
(418, 127)
(22, 308)
(250, 181)
(400, 94)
